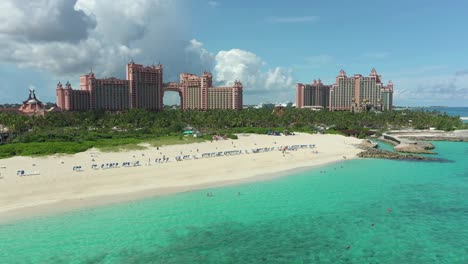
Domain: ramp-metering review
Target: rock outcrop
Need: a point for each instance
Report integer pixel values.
(409, 146)
(425, 144)
(385, 154)
(368, 143)
(415, 147)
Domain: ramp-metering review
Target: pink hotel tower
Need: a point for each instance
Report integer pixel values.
(353, 93)
(144, 88)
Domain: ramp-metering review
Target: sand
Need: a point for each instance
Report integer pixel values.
(58, 188)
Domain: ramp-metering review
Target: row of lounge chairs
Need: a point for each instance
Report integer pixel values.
(181, 158)
(261, 150)
(77, 168)
(116, 165)
(131, 164)
(22, 173)
(213, 154)
(161, 160)
(109, 166)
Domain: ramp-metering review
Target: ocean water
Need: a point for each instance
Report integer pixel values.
(454, 111)
(356, 211)
(451, 111)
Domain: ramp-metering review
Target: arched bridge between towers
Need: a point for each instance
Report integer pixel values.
(175, 87)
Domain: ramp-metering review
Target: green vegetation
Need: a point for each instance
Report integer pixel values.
(72, 147)
(231, 136)
(72, 132)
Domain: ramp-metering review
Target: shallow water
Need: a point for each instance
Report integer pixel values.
(358, 211)
(384, 145)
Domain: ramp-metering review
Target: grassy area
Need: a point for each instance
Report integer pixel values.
(107, 145)
(42, 148)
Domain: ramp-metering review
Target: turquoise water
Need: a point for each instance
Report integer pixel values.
(384, 145)
(309, 217)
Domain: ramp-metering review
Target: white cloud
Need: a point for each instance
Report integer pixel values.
(432, 90)
(278, 78)
(65, 38)
(200, 55)
(292, 20)
(43, 20)
(236, 64)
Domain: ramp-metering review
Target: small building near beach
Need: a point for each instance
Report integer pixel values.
(32, 106)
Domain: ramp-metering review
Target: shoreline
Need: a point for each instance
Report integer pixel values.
(62, 190)
(75, 205)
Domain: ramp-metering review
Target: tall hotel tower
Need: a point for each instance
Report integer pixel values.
(142, 89)
(315, 95)
(355, 93)
(198, 93)
(146, 86)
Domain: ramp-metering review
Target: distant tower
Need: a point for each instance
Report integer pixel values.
(60, 92)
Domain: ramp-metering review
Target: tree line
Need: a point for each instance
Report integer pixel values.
(93, 125)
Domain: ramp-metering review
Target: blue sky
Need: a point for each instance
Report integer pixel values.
(269, 46)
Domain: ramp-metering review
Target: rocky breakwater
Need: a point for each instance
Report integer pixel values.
(429, 135)
(409, 146)
(385, 154)
(366, 143)
(417, 147)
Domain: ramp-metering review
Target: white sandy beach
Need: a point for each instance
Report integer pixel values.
(58, 188)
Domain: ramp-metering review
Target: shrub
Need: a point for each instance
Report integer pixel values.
(231, 136)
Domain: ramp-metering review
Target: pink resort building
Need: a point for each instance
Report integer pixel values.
(141, 89)
(315, 95)
(198, 93)
(144, 88)
(353, 93)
